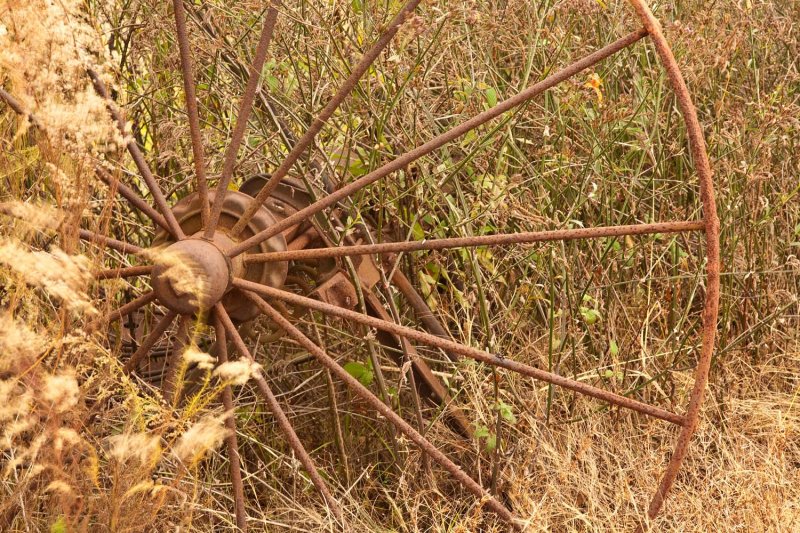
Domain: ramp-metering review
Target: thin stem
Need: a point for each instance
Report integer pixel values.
(245, 108)
(484, 240)
(308, 138)
(474, 353)
(231, 441)
(438, 142)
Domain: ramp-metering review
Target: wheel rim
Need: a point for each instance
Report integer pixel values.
(223, 254)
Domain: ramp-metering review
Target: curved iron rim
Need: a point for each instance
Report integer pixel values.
(711, 220)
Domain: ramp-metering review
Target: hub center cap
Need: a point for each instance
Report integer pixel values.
(191, 275)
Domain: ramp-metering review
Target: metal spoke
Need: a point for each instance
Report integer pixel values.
(125, 272)
(122, 189)
(17, 107)
(231, 441)
(123, 310)
(424, 444)
(245, 108)
(316, 125)
(189, 89)
(119, 246)
(439, 141)
(474, 353)
(94, 238)
(280, 416)
(484, 240)
(149, 341)
(138, 159)
(133, 198)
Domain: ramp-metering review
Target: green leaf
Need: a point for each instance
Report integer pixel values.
(417, 231)
(613, 348)
(59, 526)
(507, 412)
(359, 371)
(481, 432)
(491, 96)
(590, 316)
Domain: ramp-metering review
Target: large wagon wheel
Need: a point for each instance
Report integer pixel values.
(236, 246)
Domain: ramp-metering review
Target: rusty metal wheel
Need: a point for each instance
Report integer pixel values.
(223, 257)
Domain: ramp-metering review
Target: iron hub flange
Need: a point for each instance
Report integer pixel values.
(191, 275)
(188, 214)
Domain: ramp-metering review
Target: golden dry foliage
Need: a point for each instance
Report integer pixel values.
(64, 276)
(45, 48)
(237, 372)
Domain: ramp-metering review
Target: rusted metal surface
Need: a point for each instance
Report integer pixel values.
(425, 381)
(441, 140)
(126, 272)
(115, 185)
(367, 270)
(131, 196)
(187, 212)
(424, 444)
(474, 353)
(122, 311)
(278, 211)
(421, 309)
(102, 240)
(483, 240)
(17, 107)
(280, 417)
(697, 146)
(150, 341)
(172, 382)
(231, 441)
(245, 108)
(319, 121)
(189, 90)
(205, 275)
(338, 291)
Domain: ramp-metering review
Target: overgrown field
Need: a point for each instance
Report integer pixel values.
(85, 447)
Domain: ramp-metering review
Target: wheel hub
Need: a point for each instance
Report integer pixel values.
(204, 259)
(192, 275)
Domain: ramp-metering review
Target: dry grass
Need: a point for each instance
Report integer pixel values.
(86, 448)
